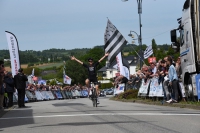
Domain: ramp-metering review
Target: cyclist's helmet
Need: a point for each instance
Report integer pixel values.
(90, 59)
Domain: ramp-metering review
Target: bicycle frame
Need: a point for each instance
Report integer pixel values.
(94, 95)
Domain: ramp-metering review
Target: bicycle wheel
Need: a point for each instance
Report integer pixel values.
(95, 97)
(92, 98)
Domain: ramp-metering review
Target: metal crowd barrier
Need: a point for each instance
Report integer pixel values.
(152, 88)
(33, 96)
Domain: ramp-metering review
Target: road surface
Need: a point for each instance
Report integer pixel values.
(78, 116)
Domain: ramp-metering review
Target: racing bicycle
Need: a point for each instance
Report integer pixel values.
(94, 94)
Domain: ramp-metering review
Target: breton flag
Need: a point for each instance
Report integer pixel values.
(14, 52)
(114, 41)
(66, 79)
(148, 52)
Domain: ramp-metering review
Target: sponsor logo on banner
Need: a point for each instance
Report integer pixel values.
(144, 87)
(119, 89)
(198, 85)
(42, 82)
(14, 52)
(155, 88)
(151, 59)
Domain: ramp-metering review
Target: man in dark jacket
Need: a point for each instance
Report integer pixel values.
(9, 81)
(20, 84)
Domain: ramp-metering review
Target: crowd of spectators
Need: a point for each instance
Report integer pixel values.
(8, 88)
(167, 71)
(41, 87)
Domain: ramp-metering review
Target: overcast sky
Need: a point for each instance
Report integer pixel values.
(69, 24)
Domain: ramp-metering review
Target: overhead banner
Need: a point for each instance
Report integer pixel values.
(14, 52)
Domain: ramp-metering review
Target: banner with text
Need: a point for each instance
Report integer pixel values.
(143, 90)
(119, 89)
(156, 89)
(14, 52)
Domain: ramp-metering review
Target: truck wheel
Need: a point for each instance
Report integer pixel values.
(190, 91)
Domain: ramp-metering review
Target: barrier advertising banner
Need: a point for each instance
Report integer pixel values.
(14, 52)
(144, 87)
(198, 85)
(155, 88)
(119, 90)
(182, 89)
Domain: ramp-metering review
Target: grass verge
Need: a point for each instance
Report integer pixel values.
(131, 96)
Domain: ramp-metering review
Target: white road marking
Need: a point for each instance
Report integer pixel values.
(103, 114)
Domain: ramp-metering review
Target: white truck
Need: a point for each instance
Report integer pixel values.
(188, 44)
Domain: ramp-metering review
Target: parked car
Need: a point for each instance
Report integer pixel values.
(110, 91)
(105, 90)
(102, 93)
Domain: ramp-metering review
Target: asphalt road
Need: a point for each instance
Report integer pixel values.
(78, 116)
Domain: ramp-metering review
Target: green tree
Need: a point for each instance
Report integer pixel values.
(154, 45)
(76, 71)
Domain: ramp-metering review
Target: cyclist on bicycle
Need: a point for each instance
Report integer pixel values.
(91, 67)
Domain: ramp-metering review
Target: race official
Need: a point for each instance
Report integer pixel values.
(20, 84)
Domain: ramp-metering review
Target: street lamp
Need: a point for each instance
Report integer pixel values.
(138, 38)
(132, 36)
(140, 25)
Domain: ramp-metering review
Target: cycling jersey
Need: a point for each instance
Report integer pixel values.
(92, 76)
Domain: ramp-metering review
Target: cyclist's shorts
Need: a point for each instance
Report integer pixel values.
(94, 80)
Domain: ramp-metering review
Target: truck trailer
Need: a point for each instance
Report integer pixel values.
(188, 44)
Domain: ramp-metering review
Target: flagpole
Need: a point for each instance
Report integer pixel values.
(138, 55)
(140, 25)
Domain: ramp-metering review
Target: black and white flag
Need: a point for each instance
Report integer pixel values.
(114, 41)
(148, 52)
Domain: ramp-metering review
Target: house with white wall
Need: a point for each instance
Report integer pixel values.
(110, 71)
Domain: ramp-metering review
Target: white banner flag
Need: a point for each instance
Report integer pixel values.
(123, 70)
(148, 52)
(14, 52)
